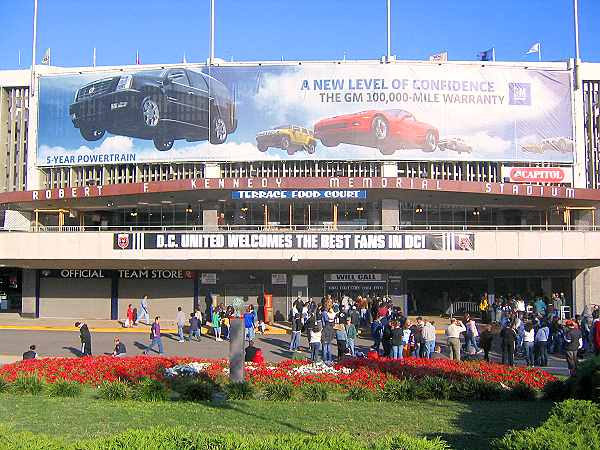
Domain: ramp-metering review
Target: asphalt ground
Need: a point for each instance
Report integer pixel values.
(275, 347)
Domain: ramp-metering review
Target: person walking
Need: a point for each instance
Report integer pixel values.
(86, 338)
(180, 319)
(509, 338)
(351, 334)
(249, 323)
(194, 327)
(155, 338)
(144, 311)
(129, 321)
(573, 342)
(528, 344)
(453, 332)
(296, 331)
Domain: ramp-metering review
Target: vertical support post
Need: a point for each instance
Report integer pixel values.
(114, 296)
(34, 45)
(236, 350)
(212, 32)
(389, 31)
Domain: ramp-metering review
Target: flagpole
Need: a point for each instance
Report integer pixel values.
(577, 56)
(35, 13)
(212, 33)
(389, 30)
(94, 58)
(494, 54)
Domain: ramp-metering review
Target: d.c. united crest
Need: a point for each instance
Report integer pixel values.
(123, 241)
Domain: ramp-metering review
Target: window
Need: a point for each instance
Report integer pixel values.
(178, 76)
(198, 80)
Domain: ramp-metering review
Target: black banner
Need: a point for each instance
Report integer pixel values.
(449, 241)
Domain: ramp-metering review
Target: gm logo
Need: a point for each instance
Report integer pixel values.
(519, 94)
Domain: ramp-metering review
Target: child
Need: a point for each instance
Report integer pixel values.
(129, 318)
(315, 343)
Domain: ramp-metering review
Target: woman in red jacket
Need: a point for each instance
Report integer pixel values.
(596, 332)
(129, 321)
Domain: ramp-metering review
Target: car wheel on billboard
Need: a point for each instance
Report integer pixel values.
(91, 134)
(430, 142)
(291, 151)
(150, 112)
(329, 143)
(310, 148)
(218, 129)
(285, 143)
(163, 143)
(386, 149)
(262, 148)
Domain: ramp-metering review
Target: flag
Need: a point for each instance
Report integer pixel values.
(46, 57)
(137, 58)
(535, 48)
(184, 60)
(439, 57)
(487, 55)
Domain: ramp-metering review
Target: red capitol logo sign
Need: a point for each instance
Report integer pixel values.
(536, 175)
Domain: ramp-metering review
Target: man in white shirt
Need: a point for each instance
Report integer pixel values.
(428, 334)
(180, 319)
(453, 332)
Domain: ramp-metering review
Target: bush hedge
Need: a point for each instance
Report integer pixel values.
(177, 438)
(573, 424)
(63, 388)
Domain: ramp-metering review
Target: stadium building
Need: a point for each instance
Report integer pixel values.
(418, 180)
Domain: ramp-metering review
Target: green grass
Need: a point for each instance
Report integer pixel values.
(462, 425)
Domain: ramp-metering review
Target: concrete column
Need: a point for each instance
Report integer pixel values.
(209, 216)
(586, 283)
(212, 170)
(390, 215)
(28, 293)
(389, 169)
(547, 286)
(236, 350)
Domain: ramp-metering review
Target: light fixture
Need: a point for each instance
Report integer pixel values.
(133, 213)
(110, 204)
(360, 207)
(419, 209)
(476, 212)
(294, 258)
(188, 209)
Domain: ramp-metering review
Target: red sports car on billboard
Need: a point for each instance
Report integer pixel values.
(387, 130)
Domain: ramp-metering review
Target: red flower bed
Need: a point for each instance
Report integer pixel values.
(368, 373)
(454, 370)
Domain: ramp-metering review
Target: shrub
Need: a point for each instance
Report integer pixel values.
(114, 390)
(198, 390)
(315, 392)
(179, 437)
(572, 424)
(360, 393)
(4, 385)
(28, 384)
(476, 389)
(63, 388)
(150, 390)
(396, 390)
(437, 388)
(556, 390)
(522, 391)
(279, 391)
(586, 383)
(297, 356)
(239, 391)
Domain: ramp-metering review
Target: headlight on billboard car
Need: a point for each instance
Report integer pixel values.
(124, 82)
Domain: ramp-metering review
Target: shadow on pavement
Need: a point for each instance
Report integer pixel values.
(73, 350)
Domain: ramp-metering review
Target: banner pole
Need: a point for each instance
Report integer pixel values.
(32, 84)
(212, 32)
(389, 31)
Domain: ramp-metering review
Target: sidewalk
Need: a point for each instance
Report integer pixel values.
(14, 322)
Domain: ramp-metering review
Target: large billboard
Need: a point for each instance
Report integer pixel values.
(345, 111)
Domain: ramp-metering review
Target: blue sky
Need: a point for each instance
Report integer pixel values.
(162, 30)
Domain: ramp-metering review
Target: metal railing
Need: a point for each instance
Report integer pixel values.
(327, 227)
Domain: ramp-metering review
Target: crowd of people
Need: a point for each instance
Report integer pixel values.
(529, 328)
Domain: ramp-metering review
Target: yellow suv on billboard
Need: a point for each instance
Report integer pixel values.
(290, 138)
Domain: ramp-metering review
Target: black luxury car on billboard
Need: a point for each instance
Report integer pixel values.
(162, 105)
